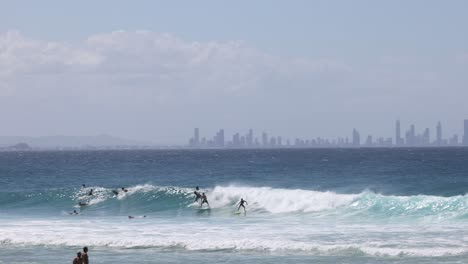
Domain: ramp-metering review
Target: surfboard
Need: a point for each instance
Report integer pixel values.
(237, 213)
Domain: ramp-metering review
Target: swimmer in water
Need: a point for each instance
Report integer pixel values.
(90, 192)
(82, 204)
(124, 190)
(84, 256)
(78, 259)
(74, 213)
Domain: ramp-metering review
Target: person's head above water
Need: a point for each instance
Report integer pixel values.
(83, 185)
(85, 249)
(78, 254)
(196, 188)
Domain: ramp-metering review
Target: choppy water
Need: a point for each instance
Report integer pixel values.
(322, 206)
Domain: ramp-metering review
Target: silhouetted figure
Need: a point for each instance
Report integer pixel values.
(132, 217)
(90, 192)
(204, 200)
(82, 204)
(74, 213)
(242, 204)
(198, 196)
(78, 259)
(84, 256)
(124, 190)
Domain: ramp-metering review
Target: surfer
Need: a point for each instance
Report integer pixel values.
(84, 256)
(124, 190)
(197, 195)
(115, 192)
(78, 259)
(241, 204)
(74, 213)
(132, 217)
(90, 192)
(204, 200)
(82, 204)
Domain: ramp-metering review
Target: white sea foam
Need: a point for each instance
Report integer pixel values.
(271, 236)
(279, 200)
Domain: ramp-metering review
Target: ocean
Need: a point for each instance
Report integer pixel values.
(399, 205)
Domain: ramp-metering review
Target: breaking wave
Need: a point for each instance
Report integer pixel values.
(147, 199)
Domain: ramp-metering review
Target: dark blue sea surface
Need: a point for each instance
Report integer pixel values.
(430, 171)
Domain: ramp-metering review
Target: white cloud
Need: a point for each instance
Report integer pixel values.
(164, 58)
(129, 83)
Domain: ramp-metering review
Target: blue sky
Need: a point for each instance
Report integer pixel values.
(362, 63)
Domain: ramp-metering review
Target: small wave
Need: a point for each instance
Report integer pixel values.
(246, 244)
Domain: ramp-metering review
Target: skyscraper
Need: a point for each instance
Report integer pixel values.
(426, 139)
(196, 137)
(356, 138)
(412, 140)
(397, 133)
(250, 138)
(219, 138)
(264, 139)
(465, 133)
(439, 134)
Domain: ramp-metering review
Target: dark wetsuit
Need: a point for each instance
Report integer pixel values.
(198, 196)
(241, 204)
(204, 200)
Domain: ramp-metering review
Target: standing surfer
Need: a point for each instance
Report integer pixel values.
(204, 200)
(242, 204)
(198, 196)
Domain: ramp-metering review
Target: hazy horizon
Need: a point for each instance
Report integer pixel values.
(307, 69)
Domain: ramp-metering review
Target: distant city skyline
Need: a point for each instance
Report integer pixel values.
(412, 138)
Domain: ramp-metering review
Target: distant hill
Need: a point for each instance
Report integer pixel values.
(20, 146)
(70, 141)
